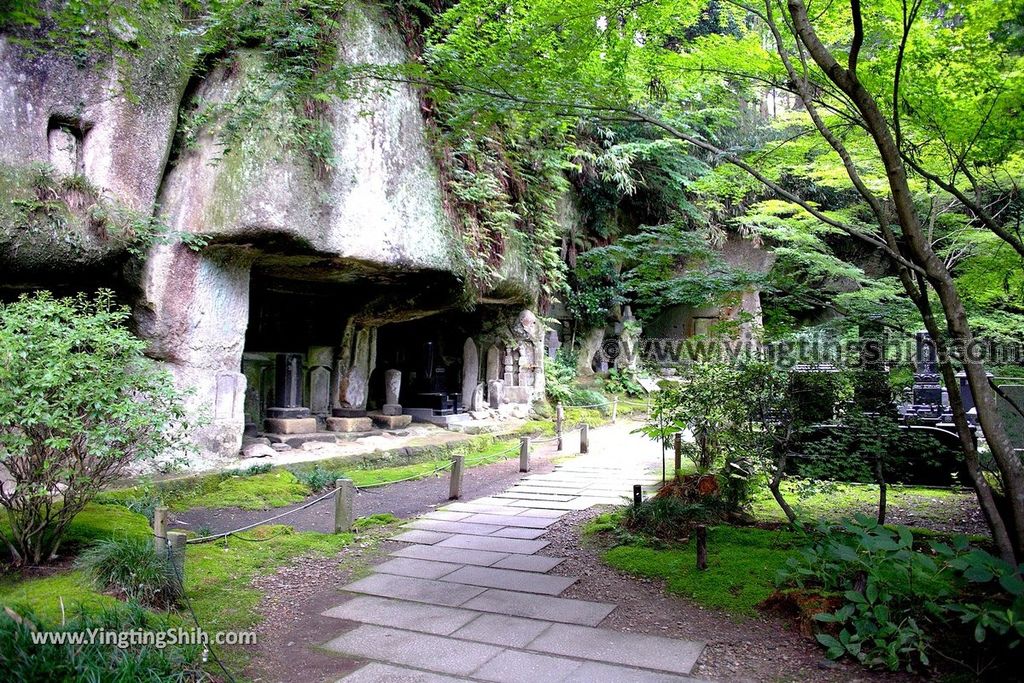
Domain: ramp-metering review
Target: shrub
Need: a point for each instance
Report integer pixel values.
(132, 568)
(25, 660)
(319, 478)
(670, 517)
(79, 403)
(898, 599)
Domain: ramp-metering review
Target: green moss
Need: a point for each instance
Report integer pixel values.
(96, 521)
(742, 564)
(827, 500)
(378, 520)
(43, 595)
(257, 492)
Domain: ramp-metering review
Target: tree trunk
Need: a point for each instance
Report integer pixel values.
(880, 479)
(938, 277)
(776, 483)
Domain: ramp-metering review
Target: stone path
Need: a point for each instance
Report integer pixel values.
(470, 600)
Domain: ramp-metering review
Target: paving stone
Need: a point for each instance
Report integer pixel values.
(519, 532)
(535, 512)
(537, 496)
(529, 563)
(417, 590)
(575, 504)
(499, 629)
(419, 536)
(505, 520)
(472, 507)
(546, 490)
(540, 607)
(375, 672)
(412, 616)
(419, 650)
(490, 543)
(481, 558)
(455, 527)
(632, 649)
(446, 515)
(512, 580)
(594, 672)
(420, 569)
(524, 667)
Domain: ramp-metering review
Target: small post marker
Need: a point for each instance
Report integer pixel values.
(176, 550)
(702, 547)
(584, 438)
(679, 453)
(344, 499)
(615, 408)
(524, 454)
(638, 495)
(559, 417)
(455, 484)
(160, 531)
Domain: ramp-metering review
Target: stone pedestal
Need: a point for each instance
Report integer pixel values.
(391, 409)
(385, 421)
(300, 425)
(349, 424)
(348, 412)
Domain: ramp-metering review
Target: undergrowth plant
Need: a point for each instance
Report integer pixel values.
(131, 567)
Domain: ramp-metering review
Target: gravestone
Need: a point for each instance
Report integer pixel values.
(496, 392)
(470, 371)
(478, 398)
(552, 344)
(320, 391)
(392, 391)
(493, 364)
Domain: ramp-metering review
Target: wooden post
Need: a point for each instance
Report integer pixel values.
(559, 417)
(702, 547)
(638, 495)
(176, 549)
(615, 408)
(524, 454)
(455, 484)
(344, 500)
(584, 438)
(160, 531)
(679, 454)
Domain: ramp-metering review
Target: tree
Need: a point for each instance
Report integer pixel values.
(79, 403)
(881, 93)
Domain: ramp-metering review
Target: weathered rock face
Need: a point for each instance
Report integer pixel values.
(362, 244)
(379, 204)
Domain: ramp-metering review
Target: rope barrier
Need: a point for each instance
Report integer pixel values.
(214, 537)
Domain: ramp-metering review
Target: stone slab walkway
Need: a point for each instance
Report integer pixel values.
(471, 600)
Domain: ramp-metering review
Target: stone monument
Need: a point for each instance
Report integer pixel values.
(391, 416)
(288, 415)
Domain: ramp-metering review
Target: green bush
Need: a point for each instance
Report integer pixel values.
(132, 568)
(79, 403)
(670, 517)
(898, 599)
(319, 478)
(24, 660)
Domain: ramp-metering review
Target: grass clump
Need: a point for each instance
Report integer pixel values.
(378, 520)
(26, 661)
(130, 567)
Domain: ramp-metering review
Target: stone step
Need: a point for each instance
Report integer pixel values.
(375, 672)
(634, 650)
(492, 544)
(630, 649)
(481, 558)
(523, 532)
(420, 536)
(516, 604)
(510, 579)
(454, 527)
(529, 563)
(523, 519)
(446, 515)
(417, 569)
(418, 650)
(413, 616)
(416, 590)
